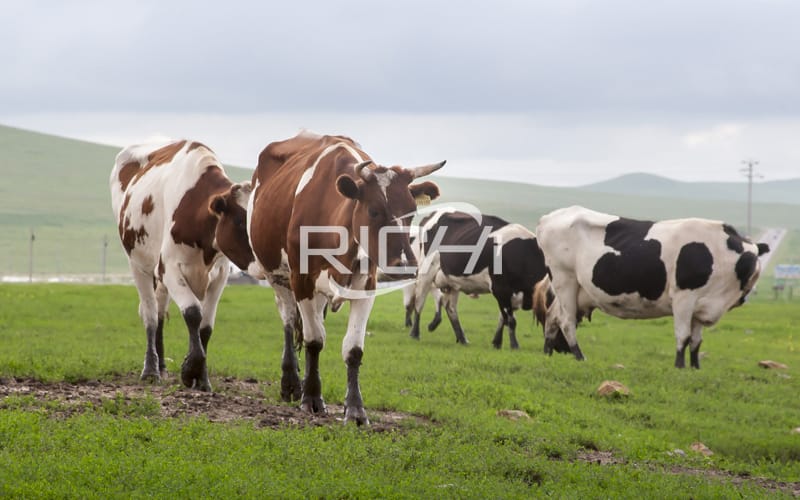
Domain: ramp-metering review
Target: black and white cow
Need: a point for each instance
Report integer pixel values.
(692, 269)
(494, 256)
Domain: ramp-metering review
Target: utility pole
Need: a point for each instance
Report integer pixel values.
(748, 172)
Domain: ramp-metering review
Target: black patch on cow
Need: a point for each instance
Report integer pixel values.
(735, 241)
(762, 248)
(522, 267)
(694, 266)
(745, 267)
(638, 268)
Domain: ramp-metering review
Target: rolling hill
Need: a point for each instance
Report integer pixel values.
(58, 188)
(782, 191)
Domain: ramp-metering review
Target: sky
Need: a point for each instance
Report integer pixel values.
(563, 93)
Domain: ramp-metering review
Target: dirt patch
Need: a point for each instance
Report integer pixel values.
(232, 400)
(608, 458)
(791, 488)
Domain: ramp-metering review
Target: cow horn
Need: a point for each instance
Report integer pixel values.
(424, 170)
(360, 169)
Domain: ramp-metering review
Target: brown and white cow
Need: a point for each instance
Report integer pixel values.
(316, 220)
(692, 269)
(179, 216)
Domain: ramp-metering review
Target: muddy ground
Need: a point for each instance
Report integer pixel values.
(232, 400)
(243, 400)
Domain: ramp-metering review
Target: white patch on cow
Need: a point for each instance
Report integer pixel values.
(516, 300)
(357, 325)
(305, 178)
(287, 307)
(511, 232)
(308, 174)
(478, 283)
(384, 180)
(311, 314)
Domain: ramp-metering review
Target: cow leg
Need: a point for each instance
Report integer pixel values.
(352, 352)
(208, 319)
(162, 300)
(148, 311)
(314, 340)
(568, 300)
(697, 339)
(409, 315)
(512, 330)
(421, 289)
(451, 307)
(497, 342)
(291, 388)
(437, 317)
(193, 367)
(408, 303)
(682, 316)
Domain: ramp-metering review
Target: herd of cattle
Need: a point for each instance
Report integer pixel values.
(321, 222)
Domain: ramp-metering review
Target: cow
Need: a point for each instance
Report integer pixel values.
(494, 257)
(180, 220)
(692, 269)
(318, 220)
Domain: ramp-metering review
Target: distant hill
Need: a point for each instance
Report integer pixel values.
(58, 187)
(783, 191)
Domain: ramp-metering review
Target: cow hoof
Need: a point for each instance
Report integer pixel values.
(150, 377)
(193, 373)
(414, 335)
(356, 414)
(514, 347)
(462, 341)
(202, 385)
(497, 345)
(291, 392)
(434, 323)
(314, 406)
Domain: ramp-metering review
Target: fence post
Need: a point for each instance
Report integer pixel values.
(105, 249)
(30, 257)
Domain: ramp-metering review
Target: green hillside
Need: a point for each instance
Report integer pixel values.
(525, 203)
(58, 188)
(782, 191)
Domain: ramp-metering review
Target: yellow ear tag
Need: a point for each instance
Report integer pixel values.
(423, 199)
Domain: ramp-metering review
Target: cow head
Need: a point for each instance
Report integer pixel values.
(230, 208)
(385, 206)
(546, 311)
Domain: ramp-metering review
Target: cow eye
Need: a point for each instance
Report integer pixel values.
(373, 214)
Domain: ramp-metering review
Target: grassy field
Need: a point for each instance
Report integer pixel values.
(58, 188)
(458, 447)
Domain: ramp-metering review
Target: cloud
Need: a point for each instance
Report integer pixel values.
(718, 133)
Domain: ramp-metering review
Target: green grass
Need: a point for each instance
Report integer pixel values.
(123, 449)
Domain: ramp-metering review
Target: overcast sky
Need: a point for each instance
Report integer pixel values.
(560, 93)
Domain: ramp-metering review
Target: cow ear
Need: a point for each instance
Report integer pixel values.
(762, 248)
(348, 187)
(426, 188)
(218, 205)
